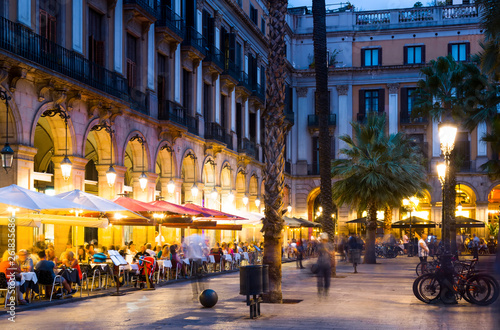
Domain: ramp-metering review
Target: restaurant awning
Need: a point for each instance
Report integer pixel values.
(36, 219)
(28, 201)
(415, 222)
(212, 213)
(250, 218)
(299, 222)
(137, 206)
(464, 222)
(177, 209)
(363, 222)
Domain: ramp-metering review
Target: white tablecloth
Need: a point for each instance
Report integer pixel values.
(29, 276)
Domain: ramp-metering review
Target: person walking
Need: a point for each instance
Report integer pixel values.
(423, 250)
(354, 251)
(300, 254)
(475, 246)
(325, 255)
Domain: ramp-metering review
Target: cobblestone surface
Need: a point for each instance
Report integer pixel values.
(378, 297)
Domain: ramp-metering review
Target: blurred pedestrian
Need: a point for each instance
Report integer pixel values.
(325, 255)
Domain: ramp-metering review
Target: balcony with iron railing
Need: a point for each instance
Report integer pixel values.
(231, 69)
(313, 120)
(361, 117)
(247, 147)
(139, 101)
(171, 111)
(148, 6)
(244, 80)
(405, 119)
(192, 125)
(215, 56)
(214, 131)
(21, 41)
(259, 91)
(196, 40)
(169, 19)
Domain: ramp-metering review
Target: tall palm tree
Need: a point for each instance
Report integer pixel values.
(448, 91)
(274, 147)
(490, 56)
(378, 170)
(323, 111)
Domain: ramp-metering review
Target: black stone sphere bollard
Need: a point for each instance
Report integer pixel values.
(208, 298)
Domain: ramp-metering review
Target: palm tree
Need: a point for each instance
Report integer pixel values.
(323, 111)
(450, 91)
(378, 170)
(490, 56)
(274, 147)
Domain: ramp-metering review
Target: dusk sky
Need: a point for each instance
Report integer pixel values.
(364, 4)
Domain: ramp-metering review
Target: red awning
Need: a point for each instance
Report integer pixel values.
(137, 206)
(213, 213)
(178, 209)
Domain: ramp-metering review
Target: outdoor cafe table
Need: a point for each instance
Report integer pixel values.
(69, 274)
(28, 281)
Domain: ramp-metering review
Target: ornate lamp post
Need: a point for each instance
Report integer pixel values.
(194, 188)
(143, 179)
(171, 183)
(65, 163)
(447, 134)
(111, 172)
(6, 152)
(213, 193)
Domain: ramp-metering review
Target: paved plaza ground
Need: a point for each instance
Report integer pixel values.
(378, 297)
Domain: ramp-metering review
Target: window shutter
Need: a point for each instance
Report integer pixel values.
(380, 56)
(405, 54)
(52, 29)
(404, 103)
(232, 46)
(467, 51)
(449, 49)
(381, 100)
(363, 57)
(362, 102)
(423, 54)
(92, 54)
(211, 31)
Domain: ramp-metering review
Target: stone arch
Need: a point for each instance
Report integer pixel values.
(165, 160)
(188, 174)
(225, 177)
(55, 127)
(468, 189)
(209, 174)
(311, 198)
(101, 141)
(136, 150)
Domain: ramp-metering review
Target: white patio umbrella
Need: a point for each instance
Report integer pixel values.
(26, 201)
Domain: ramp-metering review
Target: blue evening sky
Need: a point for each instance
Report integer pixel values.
(364, 4)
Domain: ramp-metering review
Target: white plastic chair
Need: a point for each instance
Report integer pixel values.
(237, 258)
(229, 259)
(167, 264)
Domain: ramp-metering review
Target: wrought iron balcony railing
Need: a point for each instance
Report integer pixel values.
(244, 81)
(246, 146)
(168, 18)
(214, 55)
(148, 5)
(313, 120)
(195, 39)
(231, 69)
(214, 131)
(192, 125)
(19, 40)
(168, 110)
(139, 101)
(405, 119)
(259, 91)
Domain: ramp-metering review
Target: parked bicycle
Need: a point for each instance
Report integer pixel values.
(387, 251)
(449, 285)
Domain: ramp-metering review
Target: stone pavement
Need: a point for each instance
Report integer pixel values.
(379, 297)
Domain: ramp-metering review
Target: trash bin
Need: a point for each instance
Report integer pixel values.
(251, 280)
(265, 278)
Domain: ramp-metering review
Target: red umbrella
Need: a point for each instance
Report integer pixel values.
(174, 208)
(137, 206)
(212, 213)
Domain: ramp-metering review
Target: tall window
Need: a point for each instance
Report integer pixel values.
(163, 78)
(132, 61)
(238, 56)
(96, 38)
(48, 23)
(414, 54)
(263, 25)
(371, 57)
(223, 110)
(186, 90)
(207, 102)
(460, 51)
(253, 14)
(371, 101)
(461, 152)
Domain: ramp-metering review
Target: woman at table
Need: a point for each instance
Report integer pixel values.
(72, 262)
(91, 251)
(82, 255)
(11, 270)
(24, 261)
(164, 254)
(51, 256)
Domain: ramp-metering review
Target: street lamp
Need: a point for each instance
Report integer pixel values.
(194, 188)
(410, 204)
(111, 172)
(171, 183)
(213, 193)
(6, 152)
(245, 200)
(447, 134)
(257, 202)
(143, 179)
(65, 163)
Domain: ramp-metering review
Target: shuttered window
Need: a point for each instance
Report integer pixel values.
(414, 54)
(459, 51)
(371, 57)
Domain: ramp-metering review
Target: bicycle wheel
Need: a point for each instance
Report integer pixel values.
(421, 268)
(427, 288)
(482, 289)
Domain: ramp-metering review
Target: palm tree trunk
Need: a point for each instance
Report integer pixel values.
(323, 112)
(371, 228)
(274, 147)
(387, 219)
